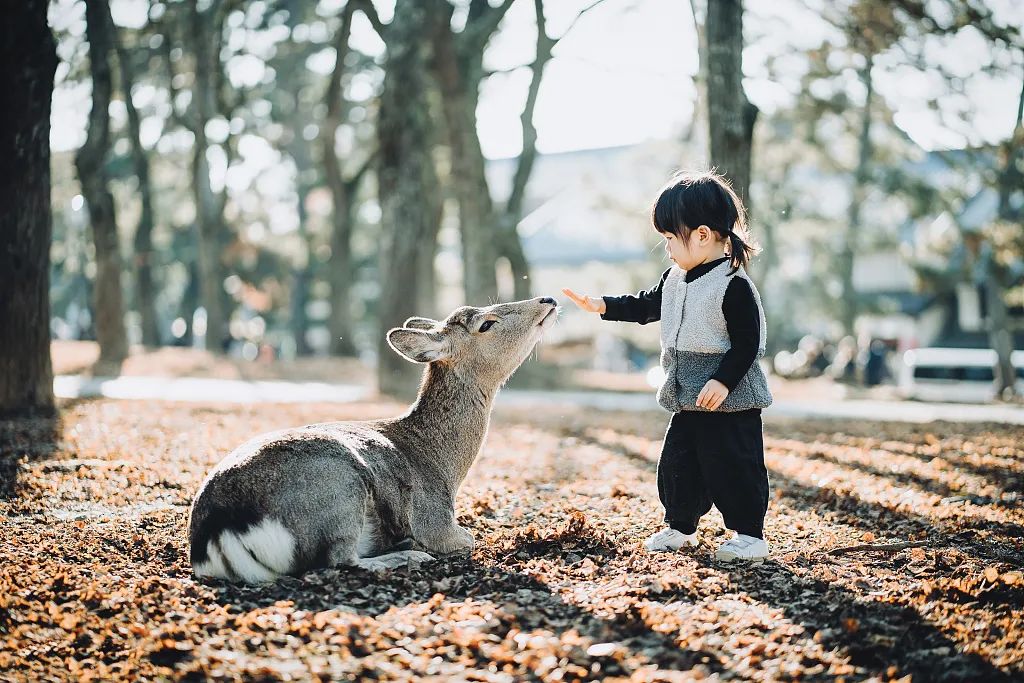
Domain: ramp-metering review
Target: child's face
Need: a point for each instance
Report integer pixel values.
(702, 245)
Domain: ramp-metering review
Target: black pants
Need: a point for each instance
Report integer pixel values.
(714, 458)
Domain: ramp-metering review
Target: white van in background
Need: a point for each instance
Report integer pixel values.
(953, 375)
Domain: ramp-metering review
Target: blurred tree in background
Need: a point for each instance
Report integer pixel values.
(409, 187)
(92, 174)
(292, 178)
(731, 116)
(145, 285)
(838, 143)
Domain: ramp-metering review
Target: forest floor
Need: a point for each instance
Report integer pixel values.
(95, 582)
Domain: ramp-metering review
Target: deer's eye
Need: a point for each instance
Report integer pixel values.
(487, 325)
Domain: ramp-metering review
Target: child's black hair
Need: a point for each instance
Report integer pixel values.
(691, 199)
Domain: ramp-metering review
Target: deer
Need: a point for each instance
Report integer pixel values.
(374, 494)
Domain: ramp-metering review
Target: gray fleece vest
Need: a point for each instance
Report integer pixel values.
(694, 338)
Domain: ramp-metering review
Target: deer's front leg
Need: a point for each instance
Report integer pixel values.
(434, 526)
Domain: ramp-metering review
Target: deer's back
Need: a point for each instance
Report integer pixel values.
(300, 479)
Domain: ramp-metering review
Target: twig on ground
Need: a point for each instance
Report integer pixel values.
(878, 547)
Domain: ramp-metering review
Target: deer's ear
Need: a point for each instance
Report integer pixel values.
(418, 323)
(419, 346)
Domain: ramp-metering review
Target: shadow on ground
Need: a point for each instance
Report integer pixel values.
(886, 638)
(526, 603)
(21, 439)
(557, 582)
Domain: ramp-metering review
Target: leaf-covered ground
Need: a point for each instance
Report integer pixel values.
(95, 581)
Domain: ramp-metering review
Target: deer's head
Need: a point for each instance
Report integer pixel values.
(489, 343)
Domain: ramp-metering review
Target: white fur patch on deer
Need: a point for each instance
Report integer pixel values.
(262, 553)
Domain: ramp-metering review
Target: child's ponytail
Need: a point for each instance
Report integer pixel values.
(741, 247)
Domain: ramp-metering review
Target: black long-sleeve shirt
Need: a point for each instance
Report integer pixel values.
(741, 319)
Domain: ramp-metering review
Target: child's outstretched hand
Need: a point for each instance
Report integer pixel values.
(712, 395)
(587, 303)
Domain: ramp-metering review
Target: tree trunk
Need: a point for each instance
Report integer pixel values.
(189, 301)
(341, 276)
(509, 245)
(731, 116)
(767, 277)
(340, 324)
(209, 217)
(426, 303)
(458, 72)
(697, 132)
(408, 186)
(145, 288)
(28, 59)
(1011, 180)
(1000, 338)
(849, 305)
(302, 278)
(92, 173)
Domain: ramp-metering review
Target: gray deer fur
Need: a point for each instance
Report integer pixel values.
(368, 494)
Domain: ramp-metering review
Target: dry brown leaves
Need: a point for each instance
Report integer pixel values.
(95, 582)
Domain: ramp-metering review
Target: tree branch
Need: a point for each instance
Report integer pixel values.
(483, 21)
(352, 183)
(574, 21)
(370, 11)
(341, 50)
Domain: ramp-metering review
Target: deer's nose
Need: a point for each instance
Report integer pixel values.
(548, 300)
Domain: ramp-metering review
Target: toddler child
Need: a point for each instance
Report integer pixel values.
(712, 333)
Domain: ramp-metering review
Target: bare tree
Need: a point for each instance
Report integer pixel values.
(458, 68)
(93, 176)
(848, 302)
(697, 131)
(509, 244)
(996, 250)
(343, 190)
(731, 116)
(1010, 183)
(28, 60)
(408, 187)
(871, 27)
(204, 38)
(145, 287)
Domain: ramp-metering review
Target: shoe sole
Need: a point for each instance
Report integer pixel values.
(670, 550)
(729, 557)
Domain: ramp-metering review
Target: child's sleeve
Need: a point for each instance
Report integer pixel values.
(744, 326)
(643, 308)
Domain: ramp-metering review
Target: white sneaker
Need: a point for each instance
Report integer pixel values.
(670, 539)
(742, 547)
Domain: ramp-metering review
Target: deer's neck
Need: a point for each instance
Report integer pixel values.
(451, 415)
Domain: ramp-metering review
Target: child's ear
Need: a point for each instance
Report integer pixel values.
(419, 346)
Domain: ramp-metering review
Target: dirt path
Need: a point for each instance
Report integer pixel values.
(95, 579)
